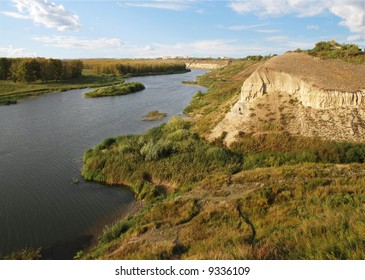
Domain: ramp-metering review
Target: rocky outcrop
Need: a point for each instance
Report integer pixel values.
(302, 95)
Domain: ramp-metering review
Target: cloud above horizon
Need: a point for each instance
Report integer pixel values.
(44, 13)
(352, 12)
(71, 42)
(174, 5)
(16, 52)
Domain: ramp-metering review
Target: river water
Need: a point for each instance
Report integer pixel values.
(44, 202)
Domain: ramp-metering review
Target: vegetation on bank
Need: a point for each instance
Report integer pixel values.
(166, 157)
(334, 50)
(271, 196)
(134, 67)
(154, 116)
(203, 201)
(121, 89)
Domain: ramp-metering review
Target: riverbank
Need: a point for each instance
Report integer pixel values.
(274, 197)
(11, 93)
(41, 150)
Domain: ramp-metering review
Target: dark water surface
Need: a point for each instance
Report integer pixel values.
(41, 145)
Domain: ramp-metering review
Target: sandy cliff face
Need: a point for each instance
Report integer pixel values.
(301, 95)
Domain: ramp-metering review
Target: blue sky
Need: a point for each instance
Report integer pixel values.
(155, 28)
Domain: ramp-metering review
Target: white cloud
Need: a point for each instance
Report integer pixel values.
(15, 15)
(44, 13)
(148, 48)
(352, 12)
(201, 48)
(174, 5)
(71, 42)
(313, 27)
(279, 8)
(16, 52)
(356, 38)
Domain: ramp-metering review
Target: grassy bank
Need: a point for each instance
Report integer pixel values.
(271, 196)
(158, 162)
(202, 201)
(121, 89)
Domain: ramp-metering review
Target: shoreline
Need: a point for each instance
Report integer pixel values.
(13, 98)
(67, 249)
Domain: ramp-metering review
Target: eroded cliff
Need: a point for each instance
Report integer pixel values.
(301, 95)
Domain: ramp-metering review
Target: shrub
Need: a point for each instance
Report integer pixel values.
(122, 89)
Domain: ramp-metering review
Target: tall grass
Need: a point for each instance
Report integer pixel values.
(306, 211)
(168, 153)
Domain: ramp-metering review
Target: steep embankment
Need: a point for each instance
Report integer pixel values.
(303, 96)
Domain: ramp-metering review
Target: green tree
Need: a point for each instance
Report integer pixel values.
(323, 46)
(51, 69)
(72, 69)
(5, 64)
(28, 71)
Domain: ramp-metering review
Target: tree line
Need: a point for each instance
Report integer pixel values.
(134, 67)
(29, 70)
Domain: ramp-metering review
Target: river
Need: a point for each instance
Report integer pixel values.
(44, 202)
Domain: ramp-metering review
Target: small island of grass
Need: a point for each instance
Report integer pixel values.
(154, 116)
(121, 89)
